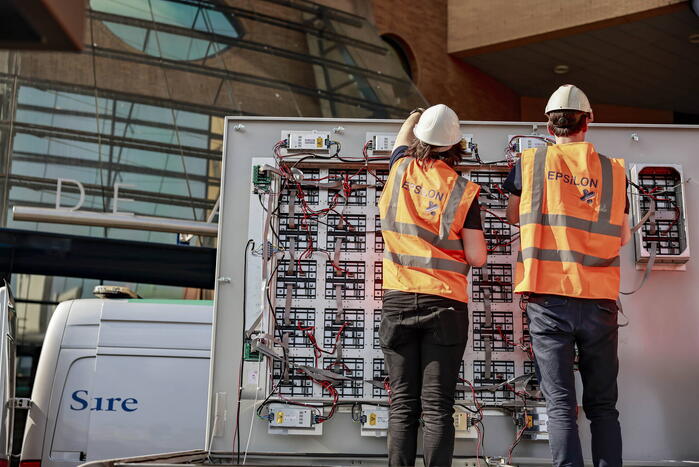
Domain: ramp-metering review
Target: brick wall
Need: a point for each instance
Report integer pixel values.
(440, 77)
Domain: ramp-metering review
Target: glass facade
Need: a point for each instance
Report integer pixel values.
(143, 105)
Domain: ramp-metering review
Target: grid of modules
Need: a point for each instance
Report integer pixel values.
(341, 253)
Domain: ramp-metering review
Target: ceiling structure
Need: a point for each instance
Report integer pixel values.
(652, 62)
(42, 24)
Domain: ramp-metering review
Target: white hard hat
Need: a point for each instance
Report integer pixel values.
(438, 126)
(569, 97)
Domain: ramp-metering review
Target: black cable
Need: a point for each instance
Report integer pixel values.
(467, 408)
(485, 456)
(271, 226)
(240, 369)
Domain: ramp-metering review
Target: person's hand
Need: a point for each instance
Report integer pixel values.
(417, 110)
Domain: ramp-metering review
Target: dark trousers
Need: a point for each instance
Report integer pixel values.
(423, 338)
(557, 324)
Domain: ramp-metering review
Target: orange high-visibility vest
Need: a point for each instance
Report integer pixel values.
(422, 214)
(571, 214)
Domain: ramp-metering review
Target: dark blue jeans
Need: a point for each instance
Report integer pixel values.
(423, 338)
(557, 325)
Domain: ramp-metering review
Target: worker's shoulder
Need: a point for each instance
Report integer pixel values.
(527, 153)
(614, 160)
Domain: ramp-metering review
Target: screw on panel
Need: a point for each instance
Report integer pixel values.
(239, 127)
(224, 280)
(339, 130)
(634, 137)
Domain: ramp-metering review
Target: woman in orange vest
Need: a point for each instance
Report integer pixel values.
(571, 204)
(431, 226)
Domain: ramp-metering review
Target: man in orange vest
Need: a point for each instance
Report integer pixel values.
(570, 203)
(431, 226)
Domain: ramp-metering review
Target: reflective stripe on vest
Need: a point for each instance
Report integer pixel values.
(423, 250)
(442, 264)
(601, 226)
(441, 240)
(588, 266)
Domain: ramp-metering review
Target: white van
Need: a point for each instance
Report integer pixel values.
(119, 378)
(7, 373)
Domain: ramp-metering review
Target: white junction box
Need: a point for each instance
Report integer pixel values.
(537, 424)
(287, 419)
(374, 420)
(662, 185)
(306, 140)
(469, 146)
(381, 142)
(526, 142)
(464, 424)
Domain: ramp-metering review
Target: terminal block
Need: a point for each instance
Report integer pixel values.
(662, 185)
(261, 179)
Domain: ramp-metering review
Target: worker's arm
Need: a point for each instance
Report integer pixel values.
(474, 247)
(405, 135)
(513, 209)
(625, 231)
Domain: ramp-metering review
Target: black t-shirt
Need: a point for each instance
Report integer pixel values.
(513, 183)
(473, 217)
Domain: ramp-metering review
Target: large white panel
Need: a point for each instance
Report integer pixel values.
(657, 350)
